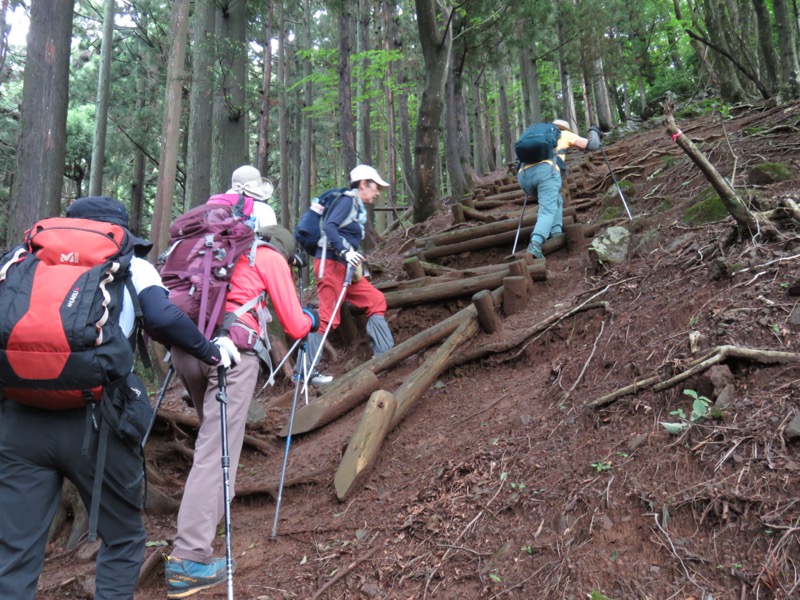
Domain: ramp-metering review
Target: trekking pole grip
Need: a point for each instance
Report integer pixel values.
(221, 394)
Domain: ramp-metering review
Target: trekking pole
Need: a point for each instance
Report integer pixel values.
(300, 354)
(614, 177)
(170, 373)
(222, 398)
(519, 227)
(347, 279)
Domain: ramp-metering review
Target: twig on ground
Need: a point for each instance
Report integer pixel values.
(586, 364)
(716, 356)
(342, 572)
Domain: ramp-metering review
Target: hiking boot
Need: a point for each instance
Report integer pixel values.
(316, 378)
(186, 577)
(535, 249)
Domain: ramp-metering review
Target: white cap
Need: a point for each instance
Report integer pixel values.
(263, 215)
(366, 172)
(562, 125)
(247, 180)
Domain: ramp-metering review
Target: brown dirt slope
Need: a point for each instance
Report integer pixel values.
(502, 482)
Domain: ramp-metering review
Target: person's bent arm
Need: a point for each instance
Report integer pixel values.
(169, 325)
(338, 212)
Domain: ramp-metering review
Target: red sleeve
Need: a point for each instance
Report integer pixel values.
(277, 279)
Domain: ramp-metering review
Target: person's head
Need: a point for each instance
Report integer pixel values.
(562, 125)
(369, 184)
(281, 239)
(247, 180)
(108, 210)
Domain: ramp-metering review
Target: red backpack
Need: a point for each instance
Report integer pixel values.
(205, 244)
(61, 294)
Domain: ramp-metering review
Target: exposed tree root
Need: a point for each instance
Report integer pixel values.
(173, 419)
(271, 488)
(716, 356)
(522, 336)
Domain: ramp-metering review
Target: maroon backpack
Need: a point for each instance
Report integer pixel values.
(205, 244)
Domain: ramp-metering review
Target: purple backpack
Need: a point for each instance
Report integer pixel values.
(205, 244)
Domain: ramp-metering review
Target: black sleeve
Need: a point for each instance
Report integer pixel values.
(169, 325)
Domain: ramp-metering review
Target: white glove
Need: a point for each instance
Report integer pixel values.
(229, 353)
(353, 258)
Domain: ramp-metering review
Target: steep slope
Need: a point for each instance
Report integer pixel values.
(503, 481)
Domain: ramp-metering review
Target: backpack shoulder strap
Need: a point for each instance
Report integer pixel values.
(137, 340)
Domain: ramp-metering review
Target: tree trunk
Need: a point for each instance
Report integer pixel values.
(533, 84)
(602, 103)
(170, 132)
(364, 106)
(39, 178)
(402, 110)
(3, 37)
(391, 128)
(458, 180)
(262, 161)
(745, 220)
(505, 124)
(101, 111)
(346, 118)
(787, 48)
(230, 109)
(201, 105)
(567, 98)
(765, 45)
(436, 45)
(283, 118)
(308, 122)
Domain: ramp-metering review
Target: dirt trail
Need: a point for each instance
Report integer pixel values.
(501, 482)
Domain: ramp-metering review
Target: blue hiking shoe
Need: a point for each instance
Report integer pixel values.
(535, 249)
(186, 577)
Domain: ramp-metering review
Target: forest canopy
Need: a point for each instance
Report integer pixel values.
(156, 102)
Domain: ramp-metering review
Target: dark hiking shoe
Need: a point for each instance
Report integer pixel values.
(186, 577)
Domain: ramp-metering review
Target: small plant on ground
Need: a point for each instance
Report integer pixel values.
(699, 411)
(601, 466)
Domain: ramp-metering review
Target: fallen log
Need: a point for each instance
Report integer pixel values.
(332, 405)
(503, 197)
(477, 215)
(359, 457)
(482, 243)
(476, 231)
(349, 394)
(436, 292)
(450, 275)
(367, 444)
(425, 376)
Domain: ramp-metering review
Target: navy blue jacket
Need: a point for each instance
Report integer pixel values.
(336, 214)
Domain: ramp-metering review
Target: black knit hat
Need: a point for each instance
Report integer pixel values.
(109, 210)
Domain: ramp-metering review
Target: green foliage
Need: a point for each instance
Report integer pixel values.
(707, 208)
(601, 467)
(595, 595)
(770, 172)
(700, 410)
